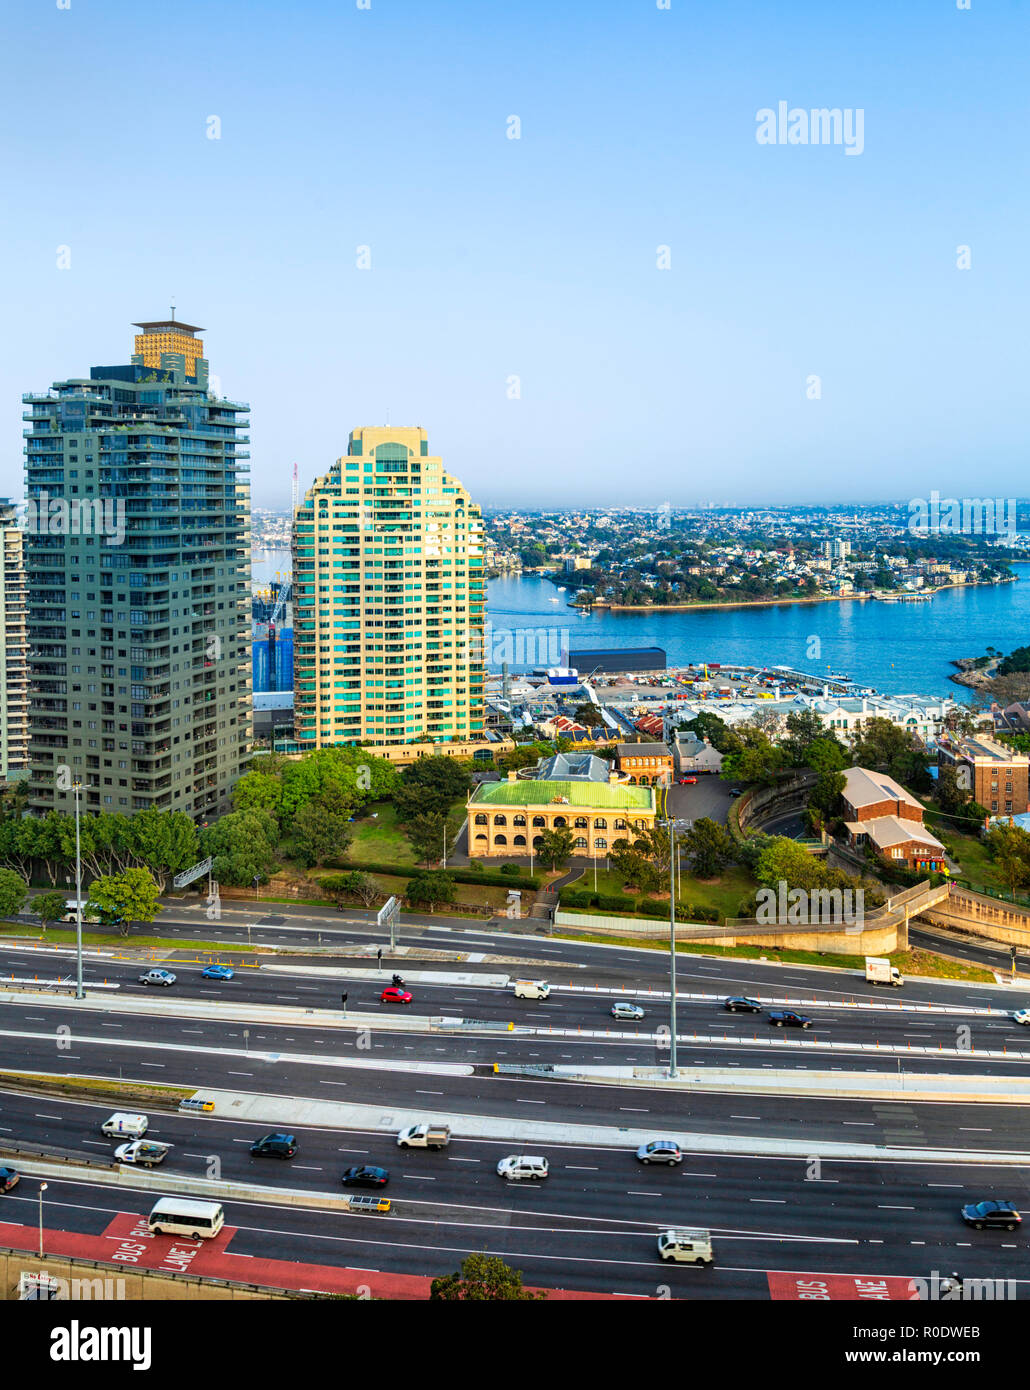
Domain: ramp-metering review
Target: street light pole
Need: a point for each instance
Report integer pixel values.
(42, 1189)
(672, 947)
(77, 788)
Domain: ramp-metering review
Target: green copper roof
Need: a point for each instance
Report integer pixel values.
(598, 795)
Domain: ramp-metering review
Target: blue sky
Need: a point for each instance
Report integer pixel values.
(535, 258)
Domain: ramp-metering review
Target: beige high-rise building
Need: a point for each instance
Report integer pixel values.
(388, 599)
(14, 671)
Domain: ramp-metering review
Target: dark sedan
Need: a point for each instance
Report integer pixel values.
(739, 1003)
(780, 1017)
(365, 1176)
(991, 1216)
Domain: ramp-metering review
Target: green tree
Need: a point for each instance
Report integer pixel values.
(430, 889)
(13, 893)
(483, 1278)
(242, 845)
(636, 869)
(710, 846)
(260, 791)
(825, 798)
(1009, 847)
(321, 827)
(758, 760)
(784, 860)
(119, 899)
(48, 907)
(430, 786)
(425, 832)
(708, 725)
(353, 884)
(555, 847)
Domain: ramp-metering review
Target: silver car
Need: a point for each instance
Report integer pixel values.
(626, 1011)
(660, 1151)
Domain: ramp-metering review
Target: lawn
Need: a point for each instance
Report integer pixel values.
(724, 893)
(381, 840)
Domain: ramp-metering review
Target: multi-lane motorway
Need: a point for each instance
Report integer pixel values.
(278, 1030)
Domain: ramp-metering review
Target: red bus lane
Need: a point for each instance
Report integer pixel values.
(841, 1287)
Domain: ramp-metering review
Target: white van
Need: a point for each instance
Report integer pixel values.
(686, 1247)
(125, 1126)
(181, 1216)
(531, 989)
(518, 1166)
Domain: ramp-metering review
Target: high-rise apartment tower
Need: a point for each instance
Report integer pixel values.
(137, 551)
(388, 599)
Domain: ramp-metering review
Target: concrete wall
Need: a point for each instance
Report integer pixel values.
(872, 940)
(987, 917)
(140, 1285)
(764, 802)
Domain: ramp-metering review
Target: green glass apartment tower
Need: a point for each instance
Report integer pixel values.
(388, 600)
(137, 557)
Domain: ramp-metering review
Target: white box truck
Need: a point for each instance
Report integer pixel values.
(879, 971)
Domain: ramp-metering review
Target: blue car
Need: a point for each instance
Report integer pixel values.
(217, 972)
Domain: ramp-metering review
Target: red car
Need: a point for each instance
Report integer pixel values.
(392, 995)
(687, 781)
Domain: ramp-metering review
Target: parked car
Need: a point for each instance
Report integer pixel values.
(217, 972)
(274, 1146)
(660, 1151)
(779, 1017)
(741, 1004)
(146, 1153)
(688, 781)
(365, 1175)
(157, 977)
(393, 994)
(622, 1010)
(9, 1177)
(991, 1216)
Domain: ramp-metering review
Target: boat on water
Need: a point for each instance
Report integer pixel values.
(561, 588)
(562, 675)
(553, 598)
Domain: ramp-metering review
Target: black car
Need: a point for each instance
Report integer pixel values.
(365, 1176)
(991, 1216)
(739, 1003)
(275, 1146)
(9, 1178)
(779, 1017)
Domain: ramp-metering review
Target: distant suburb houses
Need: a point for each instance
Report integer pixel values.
(570, 791)
(879, 811)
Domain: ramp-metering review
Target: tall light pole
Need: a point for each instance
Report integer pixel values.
(42, 1189)
(672, 947)
(77, 788)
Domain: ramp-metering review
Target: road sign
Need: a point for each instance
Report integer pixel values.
(188, 875)
(387, 917)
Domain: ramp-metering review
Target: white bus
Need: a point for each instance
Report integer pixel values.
(180, 1216)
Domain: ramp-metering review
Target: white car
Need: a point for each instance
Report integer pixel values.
(518, 1166)
(626, 1011)
(1021, 1016)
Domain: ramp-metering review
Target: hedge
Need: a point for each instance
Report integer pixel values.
(485, 877)
(645, 907)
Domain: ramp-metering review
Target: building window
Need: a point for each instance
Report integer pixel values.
(581, 823)
(519, 840)
(500, 820)
(600, 842)
(518, 820)
(538, 820)
(500, 839)
(481, 820)
(600, 823)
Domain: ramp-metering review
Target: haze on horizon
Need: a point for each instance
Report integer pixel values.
(537, 258)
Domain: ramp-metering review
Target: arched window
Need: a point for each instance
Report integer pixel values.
(538, 820)
(500, 820)
(518, 820)
(481, 837)
(537, 841)
(633, 780)
(600, 823)
(500, 839)
(581, 823)
(620, 824)
(560, 820)
(580, 842)
(519, 840)
(600, 842)
(481, 820)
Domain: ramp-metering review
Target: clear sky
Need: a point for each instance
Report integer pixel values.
(537, 258)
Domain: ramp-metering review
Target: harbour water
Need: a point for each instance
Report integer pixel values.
(900, 648)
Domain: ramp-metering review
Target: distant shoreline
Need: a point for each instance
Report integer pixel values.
(768, 602)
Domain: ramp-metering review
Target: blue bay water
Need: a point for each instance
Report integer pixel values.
(900, 648)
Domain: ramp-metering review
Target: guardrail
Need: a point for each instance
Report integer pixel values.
(21, 1153)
